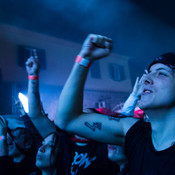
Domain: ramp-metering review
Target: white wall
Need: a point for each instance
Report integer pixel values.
(60, 56)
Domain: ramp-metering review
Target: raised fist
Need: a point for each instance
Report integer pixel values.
(96, 47)
(32, 66)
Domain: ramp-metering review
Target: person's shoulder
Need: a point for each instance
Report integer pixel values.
(140, 127)
(136, 137)
(128, 123)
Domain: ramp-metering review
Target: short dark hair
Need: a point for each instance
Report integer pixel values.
(166, 58)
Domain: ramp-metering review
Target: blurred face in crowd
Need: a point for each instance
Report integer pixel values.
(19, 140)
(116, 154)
(44, 158)
(159, 88)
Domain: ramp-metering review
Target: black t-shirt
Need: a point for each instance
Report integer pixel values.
(92, 160)
(25, 167)
(142, 157)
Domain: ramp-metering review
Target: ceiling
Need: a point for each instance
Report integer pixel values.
(140, 29)
(73, 18)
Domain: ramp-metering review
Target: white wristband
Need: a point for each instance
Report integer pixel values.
(84, 62)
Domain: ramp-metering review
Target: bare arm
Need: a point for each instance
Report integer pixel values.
(36, 112)
(69, 114)
(3, 137)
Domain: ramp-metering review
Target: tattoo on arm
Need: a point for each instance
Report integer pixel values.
(114, 118)
(117, 117)
(94, 126)
(34, 83)
(35, 89)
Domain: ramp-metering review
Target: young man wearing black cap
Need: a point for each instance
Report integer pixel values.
(149, 146)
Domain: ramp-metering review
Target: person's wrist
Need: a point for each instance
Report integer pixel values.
(84, 61)
(33, 77)
(136, 96)
(84, 54)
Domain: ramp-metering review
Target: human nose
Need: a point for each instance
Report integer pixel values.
(149, 79)
(42, 148)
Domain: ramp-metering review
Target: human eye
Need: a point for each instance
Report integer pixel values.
(163, 74)
(51, 144)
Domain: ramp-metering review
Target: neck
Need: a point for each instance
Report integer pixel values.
(123, 165)
(46, 172)
(163, 128)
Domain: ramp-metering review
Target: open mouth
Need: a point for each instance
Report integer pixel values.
(147, 91)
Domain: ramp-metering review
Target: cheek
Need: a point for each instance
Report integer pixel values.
(46, 155)
(167, 88)
(166, 94)
(55, 156)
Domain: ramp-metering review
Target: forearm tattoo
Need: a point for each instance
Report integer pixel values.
(114, 118)
(94, 126)
(117, 117)
(35, 89)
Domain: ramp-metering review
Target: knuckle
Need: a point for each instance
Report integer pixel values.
(91, 35)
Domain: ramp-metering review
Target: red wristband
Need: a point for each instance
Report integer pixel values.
(84, 62)
(33, 77)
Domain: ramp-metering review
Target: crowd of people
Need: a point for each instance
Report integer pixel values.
(94, 141)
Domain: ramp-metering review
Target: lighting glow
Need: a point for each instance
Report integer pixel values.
(24, 101)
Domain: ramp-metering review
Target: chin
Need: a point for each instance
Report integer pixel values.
(11, 153)
(38, 164)
(144, 104)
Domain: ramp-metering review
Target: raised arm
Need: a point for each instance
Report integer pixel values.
(36, 112)
(131, 102)
(3, 137)
(69, 114)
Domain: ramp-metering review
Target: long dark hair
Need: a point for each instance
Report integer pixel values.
(63, 153)
(54, 152)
